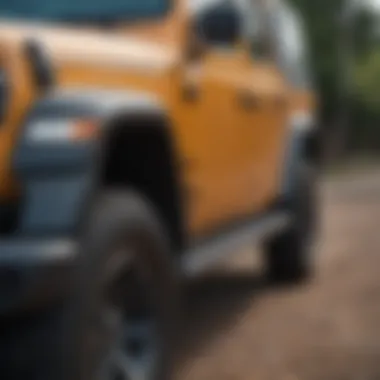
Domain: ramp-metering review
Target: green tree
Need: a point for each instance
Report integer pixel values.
(322, 25)
(366, 33)
(367, 82)
(331, 47)
(365, 131)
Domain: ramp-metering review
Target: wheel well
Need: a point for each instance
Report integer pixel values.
(139, 154)
(312, 149)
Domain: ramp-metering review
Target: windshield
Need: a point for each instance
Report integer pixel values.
(82, 10)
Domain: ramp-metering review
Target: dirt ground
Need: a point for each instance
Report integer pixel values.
(239, 328)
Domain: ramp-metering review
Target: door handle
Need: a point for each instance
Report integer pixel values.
(248, 99)
(190, 92)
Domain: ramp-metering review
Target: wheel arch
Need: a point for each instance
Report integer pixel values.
(138, 152)
(303, 144)
(66, 177)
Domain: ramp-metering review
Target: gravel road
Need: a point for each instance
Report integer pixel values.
(238, 328)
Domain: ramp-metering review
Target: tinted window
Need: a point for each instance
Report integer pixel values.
(254, 28)
(291, 46)
(219, 24)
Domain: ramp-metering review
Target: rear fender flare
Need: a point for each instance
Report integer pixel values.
(302, 144)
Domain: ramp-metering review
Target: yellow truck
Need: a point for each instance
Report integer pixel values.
(140, 141)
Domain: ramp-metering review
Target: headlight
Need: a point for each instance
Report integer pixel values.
(60, 131)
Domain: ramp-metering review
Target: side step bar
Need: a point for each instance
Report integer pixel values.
(204, 255)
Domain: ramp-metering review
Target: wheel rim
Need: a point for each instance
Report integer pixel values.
(132, 349)
(134, 354)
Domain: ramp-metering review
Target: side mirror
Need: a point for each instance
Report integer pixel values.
(220, 25)
(195, 49)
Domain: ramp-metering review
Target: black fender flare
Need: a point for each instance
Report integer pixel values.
(59, 179)
(302, 144)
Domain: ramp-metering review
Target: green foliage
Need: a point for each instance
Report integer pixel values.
(322, 23)
(367, 82)
(365, 130)
(364, 36)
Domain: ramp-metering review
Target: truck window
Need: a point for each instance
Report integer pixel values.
(218, 23)
(291, 47)
(256, 29)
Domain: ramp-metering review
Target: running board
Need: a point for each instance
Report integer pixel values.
(204, 255)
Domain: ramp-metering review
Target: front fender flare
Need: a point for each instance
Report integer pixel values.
(60, 179)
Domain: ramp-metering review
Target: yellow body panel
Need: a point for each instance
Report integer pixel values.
(230, 156)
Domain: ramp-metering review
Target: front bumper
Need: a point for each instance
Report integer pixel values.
(34, 273)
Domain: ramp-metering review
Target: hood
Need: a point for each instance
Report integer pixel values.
(80, 57)
(91, 47)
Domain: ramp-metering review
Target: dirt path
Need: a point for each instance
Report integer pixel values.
(237, 328)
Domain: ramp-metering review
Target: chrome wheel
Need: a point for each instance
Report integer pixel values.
(135, 355)
(130, 323)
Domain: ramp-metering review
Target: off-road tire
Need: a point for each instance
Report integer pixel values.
(289, 256)
(122, 216)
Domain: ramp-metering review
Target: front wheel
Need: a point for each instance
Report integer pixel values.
(125, 304)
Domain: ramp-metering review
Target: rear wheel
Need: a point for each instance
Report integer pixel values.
(126, 300)
(288, 256)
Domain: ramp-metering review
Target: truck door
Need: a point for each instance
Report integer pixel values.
(219, 173)
(284, 86)
(266, 92)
